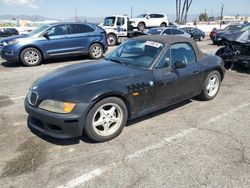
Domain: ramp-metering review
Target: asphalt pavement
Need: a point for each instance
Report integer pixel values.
(191, 144)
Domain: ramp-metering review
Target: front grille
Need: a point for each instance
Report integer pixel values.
(33, 98)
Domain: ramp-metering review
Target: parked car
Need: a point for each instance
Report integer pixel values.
(142, 75)
(168, 31)
(195, 33)
(217, 36)
(149, 20)
(6, 32)
(55, 40)
(212, 33)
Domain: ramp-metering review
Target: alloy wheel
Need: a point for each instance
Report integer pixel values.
(31, 57)
(107, 119)
(213, 85)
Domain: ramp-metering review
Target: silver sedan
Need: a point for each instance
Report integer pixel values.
(168, 31)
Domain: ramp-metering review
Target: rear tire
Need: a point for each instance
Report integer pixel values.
(201, 38)
(31, 57)
(112, 39)
(163, 25)
(211, 86)
(106, 119)
(141, 26)
(96, 51)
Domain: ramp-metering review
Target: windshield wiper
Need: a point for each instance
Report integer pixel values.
(116, 60)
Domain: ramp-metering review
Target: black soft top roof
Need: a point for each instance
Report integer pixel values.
(168, 40)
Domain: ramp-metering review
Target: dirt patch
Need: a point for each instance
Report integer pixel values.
(32, 154)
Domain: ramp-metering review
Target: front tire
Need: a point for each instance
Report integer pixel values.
(31, 57)
(211, 86)
(96, 51)
(106, 119)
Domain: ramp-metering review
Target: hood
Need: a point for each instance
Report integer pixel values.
(81, 74)
(7, 39)
(238, 36)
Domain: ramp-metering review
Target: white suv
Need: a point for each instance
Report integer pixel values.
(149, 20)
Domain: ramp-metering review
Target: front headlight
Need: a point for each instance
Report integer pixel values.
(10, 42)
(56, 106)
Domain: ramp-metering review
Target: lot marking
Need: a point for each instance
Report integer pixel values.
(14, 98)
(184, 133)
(84, 178)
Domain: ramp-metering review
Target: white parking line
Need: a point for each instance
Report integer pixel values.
(160, 144)
(14, 98)
(84, 178)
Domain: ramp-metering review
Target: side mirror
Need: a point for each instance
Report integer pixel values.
(147, 17)
(46, 35)
(179, 64)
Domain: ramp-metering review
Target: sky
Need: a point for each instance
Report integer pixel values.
(63, 9)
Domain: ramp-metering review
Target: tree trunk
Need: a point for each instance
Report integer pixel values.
(182, 12)
(177, 11)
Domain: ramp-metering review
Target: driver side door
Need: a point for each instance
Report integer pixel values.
(57, 41)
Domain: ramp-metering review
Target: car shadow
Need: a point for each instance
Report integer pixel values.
(47, 62)
(158, 112)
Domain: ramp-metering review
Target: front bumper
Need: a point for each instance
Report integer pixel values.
(56, 125)
(9, 54)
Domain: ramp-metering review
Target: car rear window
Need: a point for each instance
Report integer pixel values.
(79, 28)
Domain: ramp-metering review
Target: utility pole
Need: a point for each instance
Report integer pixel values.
(76, 14)
(131, 12)
(221, 15)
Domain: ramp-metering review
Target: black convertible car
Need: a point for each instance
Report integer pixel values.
(142, 75)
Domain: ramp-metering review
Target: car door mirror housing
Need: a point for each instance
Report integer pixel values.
(46, 35)
(179, 64)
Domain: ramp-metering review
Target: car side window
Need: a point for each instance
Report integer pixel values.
(160, 16)
(151, 16)
(167, 32)
(165, 61)
(177, 32)
(182, 52)
(79, 28)
(58, 30)
(120, 21)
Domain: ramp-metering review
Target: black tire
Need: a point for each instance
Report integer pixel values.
(163, 24)
(204, 95)
(141, 26)
(31, 57)
(96, 51)
(104, 116)
(112, 39)
(201, 38)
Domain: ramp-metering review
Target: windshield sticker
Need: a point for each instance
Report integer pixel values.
(153, 44)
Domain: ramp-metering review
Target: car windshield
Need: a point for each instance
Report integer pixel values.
(141, 15)
(38, 30)
(138, 53)
(246, 27)
(109, 21)
(155, 31)
(232, 27)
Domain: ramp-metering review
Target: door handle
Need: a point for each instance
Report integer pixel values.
(195, 72)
